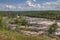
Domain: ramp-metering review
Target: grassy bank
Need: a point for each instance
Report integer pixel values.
(9, 35)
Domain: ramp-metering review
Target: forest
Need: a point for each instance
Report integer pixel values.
(40, 14)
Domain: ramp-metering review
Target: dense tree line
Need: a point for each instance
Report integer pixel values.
(44, 14)
(40, 14)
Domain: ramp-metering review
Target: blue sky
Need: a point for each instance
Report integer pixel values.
(28, 5)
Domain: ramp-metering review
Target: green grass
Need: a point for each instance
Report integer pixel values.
(10, 35)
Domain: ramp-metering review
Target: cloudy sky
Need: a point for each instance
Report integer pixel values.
(27, 5)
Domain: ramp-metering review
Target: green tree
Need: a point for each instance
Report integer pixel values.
(24, 22)
(2, 23)
(53, 28)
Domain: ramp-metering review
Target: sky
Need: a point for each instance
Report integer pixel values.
(29, 5)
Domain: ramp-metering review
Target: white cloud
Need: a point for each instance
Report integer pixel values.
(34, 0)
(10, 6)
(52, 5)
(20, 8)
(31, 4)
